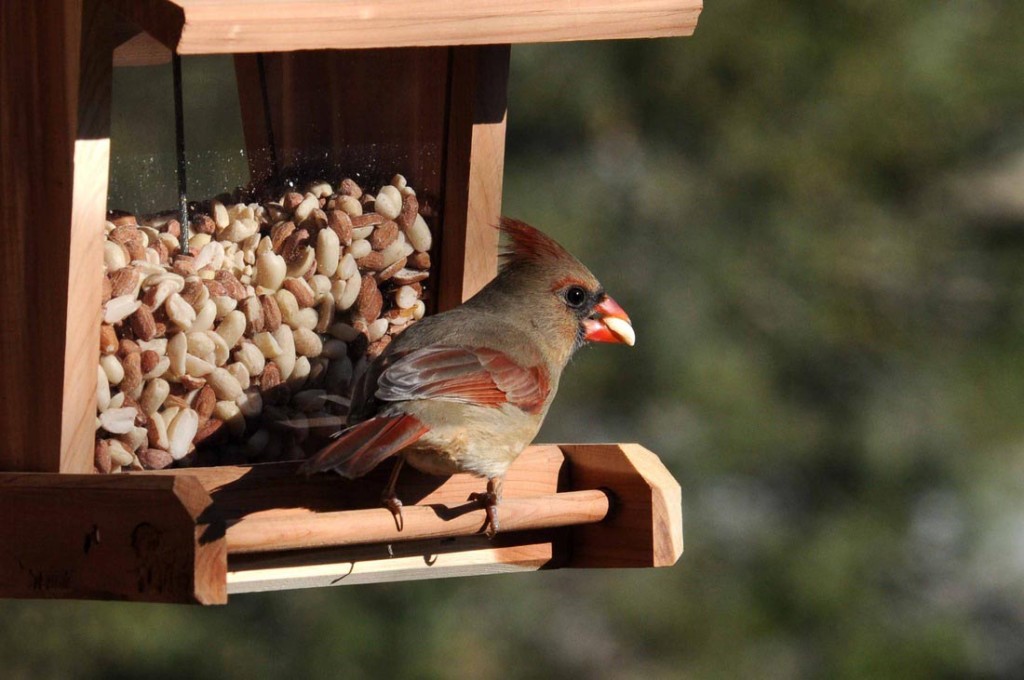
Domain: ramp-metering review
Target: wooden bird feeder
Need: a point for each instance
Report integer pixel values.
(198, 534)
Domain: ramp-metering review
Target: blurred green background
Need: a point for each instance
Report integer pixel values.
(814, 213)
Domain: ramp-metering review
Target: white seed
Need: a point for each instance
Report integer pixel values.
(180, 433)
(376, 330)
(305, 318)
(132, 440)
(399, 182)
(159, 427)
(219, 214)
(299, 373)
(338, 291)
(102, 390)
(286, 359)
(158, 345)
(321, 286)
(267, 344)
(225, 385)
(360, 233)
(211, 255)
(348, 267)
(418, 310)
(307, 343)
(270, 270)
(120, 308)
(180, 312)
(113, 369)
(158, 370)
(199, 344)
(239, 230)
(359, 249)
(265, 246)
(221, 351)
(177, 348)
(114, 256)
(328, 252)
(288, 305)
(418, 234)
(406, 297)
(232, 328)
(307, 206)
(154, 395)
(350, 205)
(240, 373)
(196, 242)
(352, 287)
(230, 413)
(118, 420)
(196, 367)
(169, 414)
(116, 401)
(388, 202)
(224, 304)
(250, 356)
(119, 455)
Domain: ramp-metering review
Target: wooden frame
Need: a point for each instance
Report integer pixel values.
(450, 67)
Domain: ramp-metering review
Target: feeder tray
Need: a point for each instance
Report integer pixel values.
(197, 534)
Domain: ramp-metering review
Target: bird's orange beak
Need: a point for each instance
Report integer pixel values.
(609, 323)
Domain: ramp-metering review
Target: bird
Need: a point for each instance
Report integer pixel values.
(466, 390)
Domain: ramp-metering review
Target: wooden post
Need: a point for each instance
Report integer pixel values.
(474, 170)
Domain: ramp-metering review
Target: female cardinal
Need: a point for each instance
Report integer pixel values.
(467, 390)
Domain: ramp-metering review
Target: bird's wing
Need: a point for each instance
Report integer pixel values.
(362, 447)
(481, 376)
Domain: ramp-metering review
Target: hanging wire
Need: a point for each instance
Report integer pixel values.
(179, 139)
(267, 119)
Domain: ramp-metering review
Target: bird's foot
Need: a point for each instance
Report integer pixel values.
(489, 500)
(394, 504)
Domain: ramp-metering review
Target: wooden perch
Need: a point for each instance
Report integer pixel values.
(194, 535)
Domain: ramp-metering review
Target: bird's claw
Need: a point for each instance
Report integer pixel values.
(394, 504)
(489, 501)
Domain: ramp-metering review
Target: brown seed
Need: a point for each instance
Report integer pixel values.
(125, 234)
(203, 224)
(370, 219)
(341, 224)
(216, 288)
(271, 377)
(148, 360)
(136, 251)
(369, 301)
(410, 207)
(155, 459)
(376, 348)
(163, 255)
(384, 235)
(316, 221)
(232, 286)
(279, 233)
(252, 308)
(209, 431)
(291, 201)
(132, 380)
(191, 383)
(301, 290)
(372, 262)
(102, 456)
(294, 247)
(173, 227)
(126, 347)
(124, 281)
(192, 291)
(325, 314)
(349, 188)
(108, 339)
(271, 313)
(204, 403)
(143, 325)
(391, 269)
(419, 261)
(184, 265)
(405, 277)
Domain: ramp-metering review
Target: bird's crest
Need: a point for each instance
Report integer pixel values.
(526, 244)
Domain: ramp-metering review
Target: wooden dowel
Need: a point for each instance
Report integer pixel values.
(297, 530)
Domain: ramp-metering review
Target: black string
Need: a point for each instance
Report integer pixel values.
(268, 120)
(179, 139)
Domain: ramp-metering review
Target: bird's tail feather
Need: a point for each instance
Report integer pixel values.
(363, 446)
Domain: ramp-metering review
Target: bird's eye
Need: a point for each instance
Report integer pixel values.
(575, 296)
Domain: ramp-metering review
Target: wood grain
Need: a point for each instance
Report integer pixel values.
(474, 172)
(645, 527)
(235, 26)
(110, 537)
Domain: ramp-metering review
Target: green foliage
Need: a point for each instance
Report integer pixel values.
(829, 358)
